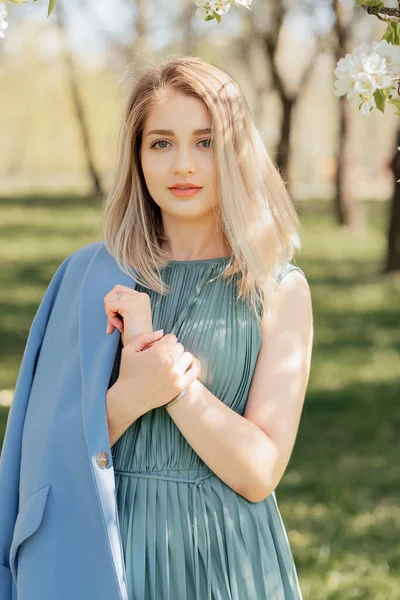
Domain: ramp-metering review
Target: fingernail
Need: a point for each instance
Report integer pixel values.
(108, 328)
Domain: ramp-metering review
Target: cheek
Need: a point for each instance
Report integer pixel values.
(209, 165)
(152, 164)
(149, 168)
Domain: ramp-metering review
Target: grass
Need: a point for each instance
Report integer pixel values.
(339, 498)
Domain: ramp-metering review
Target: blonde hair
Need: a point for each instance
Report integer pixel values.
(254, 212)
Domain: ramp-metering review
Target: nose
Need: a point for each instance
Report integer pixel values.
(182, 162)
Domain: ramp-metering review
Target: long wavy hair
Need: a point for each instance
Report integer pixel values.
(254, 213)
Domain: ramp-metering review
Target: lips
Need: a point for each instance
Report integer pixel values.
(185, 187)
(187, 192)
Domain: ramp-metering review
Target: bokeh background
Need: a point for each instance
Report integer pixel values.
(63, 81)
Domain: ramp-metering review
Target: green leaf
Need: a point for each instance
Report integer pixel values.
(209, 18)
(19, 1)
(370, 3)
(392, 33)
(52, 4)
(217, 17)
(380, 99)
(396, 103)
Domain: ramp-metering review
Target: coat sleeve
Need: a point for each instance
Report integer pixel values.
(10, 459)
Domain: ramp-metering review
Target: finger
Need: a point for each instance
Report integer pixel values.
(120, 289)
(169, 340)
(123, 306)
(144, 340)
(116, 311)
(126, 293)
(114, 305)
(185, 361)
(177, 351)
(114, 323)
(191, 374)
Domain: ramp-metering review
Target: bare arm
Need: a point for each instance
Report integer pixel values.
(250, 452)
(117, 423)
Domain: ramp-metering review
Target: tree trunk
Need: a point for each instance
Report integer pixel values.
(346, 207)
(269, 40)
(78, 106)
(185, 24)
(283, 148)
(393, 239)
(142, 57)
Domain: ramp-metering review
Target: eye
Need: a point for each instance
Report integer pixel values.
(159, 142)
(154, 145)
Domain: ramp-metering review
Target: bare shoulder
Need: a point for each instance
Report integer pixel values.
(292, 305)
(295, 284)
(281, 374)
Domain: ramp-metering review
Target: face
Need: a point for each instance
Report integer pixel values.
(181, 155)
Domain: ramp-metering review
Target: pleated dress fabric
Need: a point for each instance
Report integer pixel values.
(186, 534)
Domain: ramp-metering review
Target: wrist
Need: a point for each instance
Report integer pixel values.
(192, 395)
(176, 399)
(120, 410)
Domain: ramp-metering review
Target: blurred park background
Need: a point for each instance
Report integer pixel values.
(63, 81)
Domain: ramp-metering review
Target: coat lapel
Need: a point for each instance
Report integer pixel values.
(97, 354)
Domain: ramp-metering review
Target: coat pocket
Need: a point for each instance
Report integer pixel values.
(29, 518)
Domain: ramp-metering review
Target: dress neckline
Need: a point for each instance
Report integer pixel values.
(200, 260)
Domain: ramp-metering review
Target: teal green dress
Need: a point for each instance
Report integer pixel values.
(186, 534)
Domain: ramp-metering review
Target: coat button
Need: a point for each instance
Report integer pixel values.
(102, 460)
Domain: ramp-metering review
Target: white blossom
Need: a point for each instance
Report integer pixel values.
(368, 103)
(365, 70)
(390, 51)
(3, 15)
(221, 7)
(205, 9)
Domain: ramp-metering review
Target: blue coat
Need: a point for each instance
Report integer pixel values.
(59, 529)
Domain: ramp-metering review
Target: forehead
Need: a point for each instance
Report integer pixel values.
(178, 112)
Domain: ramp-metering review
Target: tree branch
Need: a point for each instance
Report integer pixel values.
(392, 13)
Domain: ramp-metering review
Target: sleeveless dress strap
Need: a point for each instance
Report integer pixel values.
(289, 267)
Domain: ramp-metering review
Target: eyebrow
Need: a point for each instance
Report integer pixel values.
(170, 132)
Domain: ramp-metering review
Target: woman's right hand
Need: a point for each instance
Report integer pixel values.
(153, 370)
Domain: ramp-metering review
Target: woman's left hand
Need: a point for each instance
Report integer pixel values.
(131, 313)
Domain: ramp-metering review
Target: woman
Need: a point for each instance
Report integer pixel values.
(196, 196)
(144, 465)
